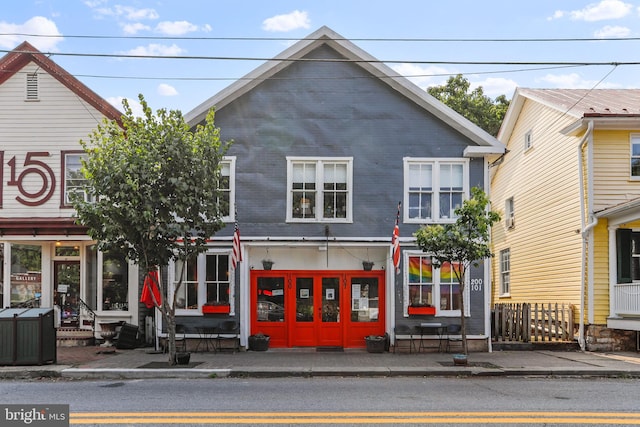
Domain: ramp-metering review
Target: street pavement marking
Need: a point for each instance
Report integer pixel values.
(516, 417)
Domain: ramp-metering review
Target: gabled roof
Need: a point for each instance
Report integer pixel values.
(615, 107)
(486, 144)
(25, 53)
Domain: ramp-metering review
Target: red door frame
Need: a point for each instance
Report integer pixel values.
(348, 332)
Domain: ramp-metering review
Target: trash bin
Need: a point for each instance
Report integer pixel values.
(27, 336)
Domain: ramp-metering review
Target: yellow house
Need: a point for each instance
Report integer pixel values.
(569, 193)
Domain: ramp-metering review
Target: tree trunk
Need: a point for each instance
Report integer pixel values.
(171, 337)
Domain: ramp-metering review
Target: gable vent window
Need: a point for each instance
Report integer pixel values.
(32, 87)
(528, 141)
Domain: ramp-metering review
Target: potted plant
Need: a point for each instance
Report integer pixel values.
(259, 342)
(216, 307)
(182, 358)
(375, 343)
(267, 264)
(367, 265)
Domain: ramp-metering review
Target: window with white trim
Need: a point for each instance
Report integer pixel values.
(505, 271)
(206, 280)
(509, 213)
(426, 285)
(528, 140)
(226, 188)
(319, 189)
(434, 188)
(74, 180)
(635, 156)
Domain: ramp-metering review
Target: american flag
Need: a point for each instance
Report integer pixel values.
(237, 252)
(395, 242)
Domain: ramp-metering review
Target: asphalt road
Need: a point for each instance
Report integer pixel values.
(338, 401)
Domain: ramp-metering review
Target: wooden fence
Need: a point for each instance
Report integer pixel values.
(526, 322)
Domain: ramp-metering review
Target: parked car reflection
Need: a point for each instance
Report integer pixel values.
(270, 312)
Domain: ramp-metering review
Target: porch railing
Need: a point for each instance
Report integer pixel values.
(527, 322)
(626, 299)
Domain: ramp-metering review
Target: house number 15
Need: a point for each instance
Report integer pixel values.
(32, 166)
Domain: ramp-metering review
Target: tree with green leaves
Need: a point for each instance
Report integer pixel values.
(154, 182)
(461, 244)
(473, 105)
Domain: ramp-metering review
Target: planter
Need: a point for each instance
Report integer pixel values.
(460, 359)
(375, 343)
(216, 309)
(267, 264)
(367, 265)
(259, 342)
(415, 311)
(183, 358)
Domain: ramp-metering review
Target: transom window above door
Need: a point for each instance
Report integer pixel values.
(319, 189)
(434, 188)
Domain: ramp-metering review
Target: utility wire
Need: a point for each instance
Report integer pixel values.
(428, 40)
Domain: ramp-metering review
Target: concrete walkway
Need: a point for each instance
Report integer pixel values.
(89, 363)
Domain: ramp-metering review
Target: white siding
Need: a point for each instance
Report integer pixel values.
(54, 123)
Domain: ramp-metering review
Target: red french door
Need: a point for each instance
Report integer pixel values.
(317, 308)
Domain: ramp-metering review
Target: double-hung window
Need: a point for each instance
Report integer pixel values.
(74, 181)
(206, 280)
(319, 189)
(434, 188)
(635, 156)
(426, 285)
(505, 272)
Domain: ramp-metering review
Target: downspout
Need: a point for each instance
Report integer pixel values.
(586, 228)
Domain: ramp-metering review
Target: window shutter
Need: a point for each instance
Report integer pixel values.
(623, 251)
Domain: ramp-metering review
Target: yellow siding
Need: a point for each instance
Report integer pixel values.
(600, 273)
(545, 245)
(611, 169)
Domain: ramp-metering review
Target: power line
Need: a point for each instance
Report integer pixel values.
(332, 60)
(402, 40)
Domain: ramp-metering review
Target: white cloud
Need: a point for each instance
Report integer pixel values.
(495, 86)
(134, 104)
(35, 25)
(126, 12)
(606, 9)
(176, 28)
(424, 76)
(206, 28)
(155, 49)
(610, 31)
(166, 90)
(556, 15)
(134, 28)
(573, 81)
(288, 22)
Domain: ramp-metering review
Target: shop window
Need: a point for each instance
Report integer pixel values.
(271, 299)
(364, 299)
(115, 281)
(430, 290)
(217, 279)
(26, 275)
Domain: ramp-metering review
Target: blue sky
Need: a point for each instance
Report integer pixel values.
(204, 27)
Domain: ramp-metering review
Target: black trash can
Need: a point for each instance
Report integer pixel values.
(27, 336)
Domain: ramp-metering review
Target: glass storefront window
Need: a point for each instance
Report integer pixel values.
(115, 282)
(271, 302)
(26, 275)
(304, 299)
(364, 299)
(92, 277)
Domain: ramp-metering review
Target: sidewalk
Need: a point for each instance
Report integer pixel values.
(87, 363)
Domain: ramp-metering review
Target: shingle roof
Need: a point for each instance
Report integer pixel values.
(589, 103)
